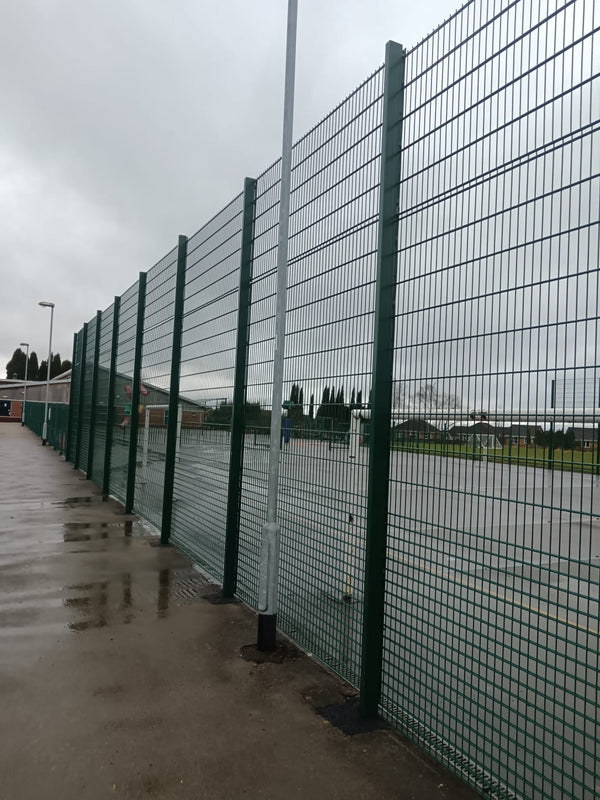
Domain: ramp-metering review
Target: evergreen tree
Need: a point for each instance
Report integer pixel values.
(311, 408)
(65, 366)
(323, 408)
(353, 398)
(33, 368)
(301, 400)
(359, 398)
(42, 371)
(55, 366)
(16, 366)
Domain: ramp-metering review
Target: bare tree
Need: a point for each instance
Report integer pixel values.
(424, 398)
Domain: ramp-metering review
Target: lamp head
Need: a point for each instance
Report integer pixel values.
(46, 303)
(24, 344)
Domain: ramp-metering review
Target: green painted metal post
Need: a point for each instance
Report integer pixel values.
(383, 366)
(90, 461)
(551, 447)
(171, 451)
(69, 450)
(135, 395)
(110, 400)
(80, 398)
(236, 458)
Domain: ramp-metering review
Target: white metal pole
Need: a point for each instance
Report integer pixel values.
(45, 428)
(25, 344)
(269, 552)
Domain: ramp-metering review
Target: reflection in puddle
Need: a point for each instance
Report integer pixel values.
(77, 602)
(103, 603)
(164, 592)
(69, 501)
(96, 531)
(83, 626)
(93, 605)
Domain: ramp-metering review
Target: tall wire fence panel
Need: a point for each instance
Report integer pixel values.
(491, 639)
(101, 399)
(85, 428)
(157, 343)
(58, 419)
(123, 389)
(481, 573)
(260, 334)
(74, 396)
(206, 388)
(329, 338)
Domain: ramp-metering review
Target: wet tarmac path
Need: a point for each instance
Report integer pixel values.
(118, 679)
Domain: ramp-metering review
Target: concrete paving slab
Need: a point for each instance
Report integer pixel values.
(117, 679)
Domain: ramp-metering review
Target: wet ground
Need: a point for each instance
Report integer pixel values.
(118, 679)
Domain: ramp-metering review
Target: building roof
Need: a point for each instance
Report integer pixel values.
(583, 434)
(416, 424)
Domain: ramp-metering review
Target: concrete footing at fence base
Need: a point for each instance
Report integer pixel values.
(118, 679)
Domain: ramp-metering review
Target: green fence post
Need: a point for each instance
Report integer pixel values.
(135, 395)
(236, 457)
(551, 447)
(80, 398)
(383, 367)
(110, 401)
(171, 450)
(69, 450)
(90, 460)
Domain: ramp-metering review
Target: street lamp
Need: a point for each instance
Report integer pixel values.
(49, 305)
(25, 344)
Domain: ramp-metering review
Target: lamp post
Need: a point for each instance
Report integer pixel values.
(49, 305)
(25, 344)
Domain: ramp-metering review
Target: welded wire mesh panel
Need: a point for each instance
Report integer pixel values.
(101, 406)
(491, 651)
(157, 345)
(74, 397)
(86, 405)
(119, 453)
(329, 335)
(206, 388)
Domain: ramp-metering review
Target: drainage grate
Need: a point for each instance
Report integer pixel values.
(186, 585)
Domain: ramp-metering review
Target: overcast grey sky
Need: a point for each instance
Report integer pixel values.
(127, 122)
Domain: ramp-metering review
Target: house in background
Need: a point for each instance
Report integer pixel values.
(415, 429)
(585, 438)
(464, 433)
(520, 435)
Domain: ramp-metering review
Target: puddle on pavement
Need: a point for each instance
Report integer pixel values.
(96, 531)
(98, 604)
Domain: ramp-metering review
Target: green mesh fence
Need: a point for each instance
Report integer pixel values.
(491, 637)
(154, 397)
(74, 414)
(122, 401)
(85, 400)
(57, 428)
(465, 606)
(329, 332)
(101, 399)
(206, 388)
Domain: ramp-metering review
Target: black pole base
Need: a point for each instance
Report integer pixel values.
(43, 442)
(267, 630)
